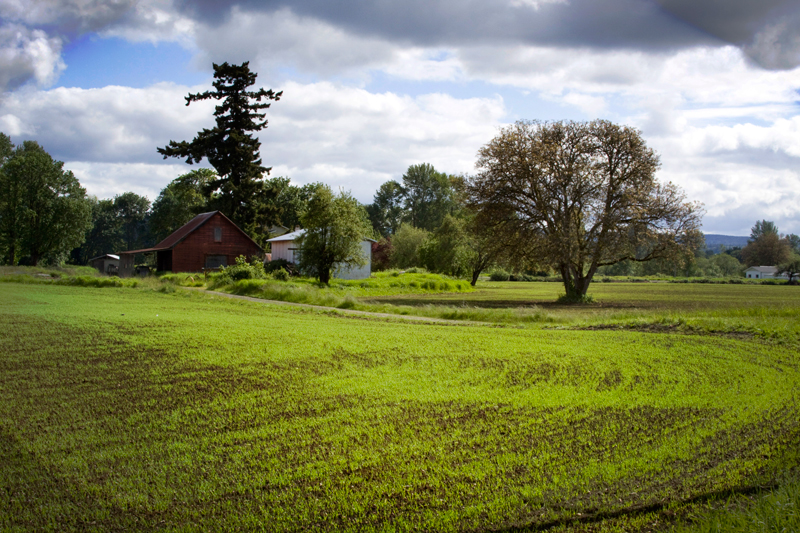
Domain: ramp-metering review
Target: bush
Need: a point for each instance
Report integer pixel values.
(281, 274)
(281, 264)
(583, 299)
(499, 275)
(244, 270)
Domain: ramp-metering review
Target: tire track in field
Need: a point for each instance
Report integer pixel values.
(352, 312)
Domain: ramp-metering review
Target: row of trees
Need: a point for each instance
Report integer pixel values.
(568, 196)
(574, 197)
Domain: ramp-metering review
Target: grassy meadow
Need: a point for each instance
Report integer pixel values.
(141, 408)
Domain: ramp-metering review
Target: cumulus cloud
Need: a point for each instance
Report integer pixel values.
(26, 55)
(767, 30)
(106, 180)
(281, 38)
(341, 135)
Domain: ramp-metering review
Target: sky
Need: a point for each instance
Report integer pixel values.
(372, 87)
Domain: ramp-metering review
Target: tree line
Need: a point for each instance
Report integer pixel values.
(572, 198)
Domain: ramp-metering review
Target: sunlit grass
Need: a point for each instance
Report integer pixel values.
(126, 408)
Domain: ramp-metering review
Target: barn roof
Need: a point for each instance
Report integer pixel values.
(184, 231)
(111, 256)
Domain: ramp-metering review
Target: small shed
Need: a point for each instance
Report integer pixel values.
(764, 272)
(106, 263)
(209, 240)
(286, 247)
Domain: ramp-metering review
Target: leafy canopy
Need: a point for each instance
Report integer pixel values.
(576, 196)
(335, 227)
(238, 190)
(43, 208)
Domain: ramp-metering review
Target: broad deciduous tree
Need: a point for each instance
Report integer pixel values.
(43, 208)
(428, 196)
(767, 249)
(577, 196)
(790, 267)
(386, 210)
(132, 212)
(239, 189)
(405, 246)
(335, 227)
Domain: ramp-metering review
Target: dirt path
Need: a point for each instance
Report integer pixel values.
(354, 312)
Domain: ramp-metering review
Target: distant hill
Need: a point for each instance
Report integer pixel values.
(713, 241)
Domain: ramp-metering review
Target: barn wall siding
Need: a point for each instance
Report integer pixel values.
(189, 255)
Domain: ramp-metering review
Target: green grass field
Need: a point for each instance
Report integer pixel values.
(128, 408)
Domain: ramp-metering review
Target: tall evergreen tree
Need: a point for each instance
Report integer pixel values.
(239, 190)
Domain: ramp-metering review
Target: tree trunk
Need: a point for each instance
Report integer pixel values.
(575, 285)
(475, 274)
(325, 275)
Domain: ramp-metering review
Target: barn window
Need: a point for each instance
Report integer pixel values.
(217, 234)
(216, 261)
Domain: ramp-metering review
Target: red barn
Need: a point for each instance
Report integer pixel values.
(209, 240)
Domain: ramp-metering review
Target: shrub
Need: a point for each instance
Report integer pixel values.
(572, 299)
(499, 275)
(281, 274)
(278, 264)
(244, 270)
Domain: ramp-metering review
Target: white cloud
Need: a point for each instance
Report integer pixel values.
(326, 132)
(281, 39)
(106, 180)
(112, 124)
(341, 135)
(27, 54)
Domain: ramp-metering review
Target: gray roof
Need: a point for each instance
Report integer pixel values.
(110, 256)
(295, 234)
(764, 269)
(288, 236)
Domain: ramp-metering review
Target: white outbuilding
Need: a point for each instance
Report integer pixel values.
(286, 247)
(106, 263)
(764, 272)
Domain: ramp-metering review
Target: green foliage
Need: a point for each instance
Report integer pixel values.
(727, 265)
(447, 250)
(179, 202)
(767, 250)
(281, 264)
(406, 243)
(243, 269)
(791, 267)
(43, 208)
(291, 201)
(335, 226)
(577, 196)
(386, 212)
(281, 274)
(499, 275)
(575, 299)
(762, 228)
(428, 196)
(238, 190)
(131, 211)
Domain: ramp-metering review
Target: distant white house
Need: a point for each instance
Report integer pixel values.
(286, 247)
(764, 272)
